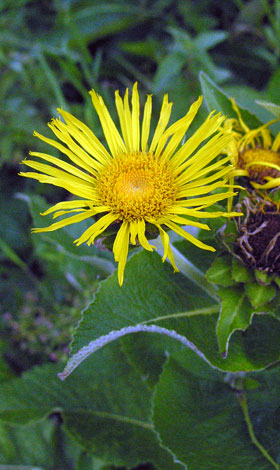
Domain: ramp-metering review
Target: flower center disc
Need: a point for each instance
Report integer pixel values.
(257, 172)
(136, 186)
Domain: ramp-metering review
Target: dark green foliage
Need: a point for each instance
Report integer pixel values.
(146, 402)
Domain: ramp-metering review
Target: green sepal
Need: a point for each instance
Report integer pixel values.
(220, 272)
(240, 273)
(263, 278)
(258, 294)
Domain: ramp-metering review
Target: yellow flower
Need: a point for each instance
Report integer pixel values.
(255, 154)
(132, 182)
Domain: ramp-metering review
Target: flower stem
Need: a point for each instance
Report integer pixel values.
(243, 403)
(189, 270)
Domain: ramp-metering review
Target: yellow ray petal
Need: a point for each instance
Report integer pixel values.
(205, 200)
(202, 214)
(167, 252)
(111, 133)
(86, 137)
(135, 119)
(65, 166)
(276, 143)
(272, 183)
(177, 130)
(189, 237)
(162, 122)
(133, 232)
(68, 205)
(62, 132)
(55, 172)
(201, 159)
(63, 223)
(82, 160)
(219, 175)
(191, 223)
(76, 189)
(90, 234)
(142, 237)
(146, 123)
(210, 125)
(128, 120)
(121, 114)
(120, 249)
(185, 192)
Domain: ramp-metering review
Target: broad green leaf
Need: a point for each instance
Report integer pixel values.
(105, 406)
(42, 446)
(198, 417)
(155, 300)
(236, 313)
(217, 100)
(27, 449)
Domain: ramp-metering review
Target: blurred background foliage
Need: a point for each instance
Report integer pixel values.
(51, 53)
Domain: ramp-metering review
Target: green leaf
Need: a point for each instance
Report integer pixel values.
(220, 272)
(27, 449)
(210, 39)
(259, 294)
(240, 273)
(155, 299)
(203, 425)
(272, 107)
(42, 446)
(236, 314)
(105, 406)
(217, 100)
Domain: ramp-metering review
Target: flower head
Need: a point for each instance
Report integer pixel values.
(257, 243)
(255, 154)
(135, 180)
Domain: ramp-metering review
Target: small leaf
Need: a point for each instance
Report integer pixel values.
(240, 273)
(236, 314)
(262, 277)
(209, 39)
(220, 272)
(259, 294)
(250, 384)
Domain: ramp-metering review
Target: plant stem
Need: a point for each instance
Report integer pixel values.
(189, 270)
(243, 403)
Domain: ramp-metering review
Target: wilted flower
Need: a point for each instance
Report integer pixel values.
(258, 234)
